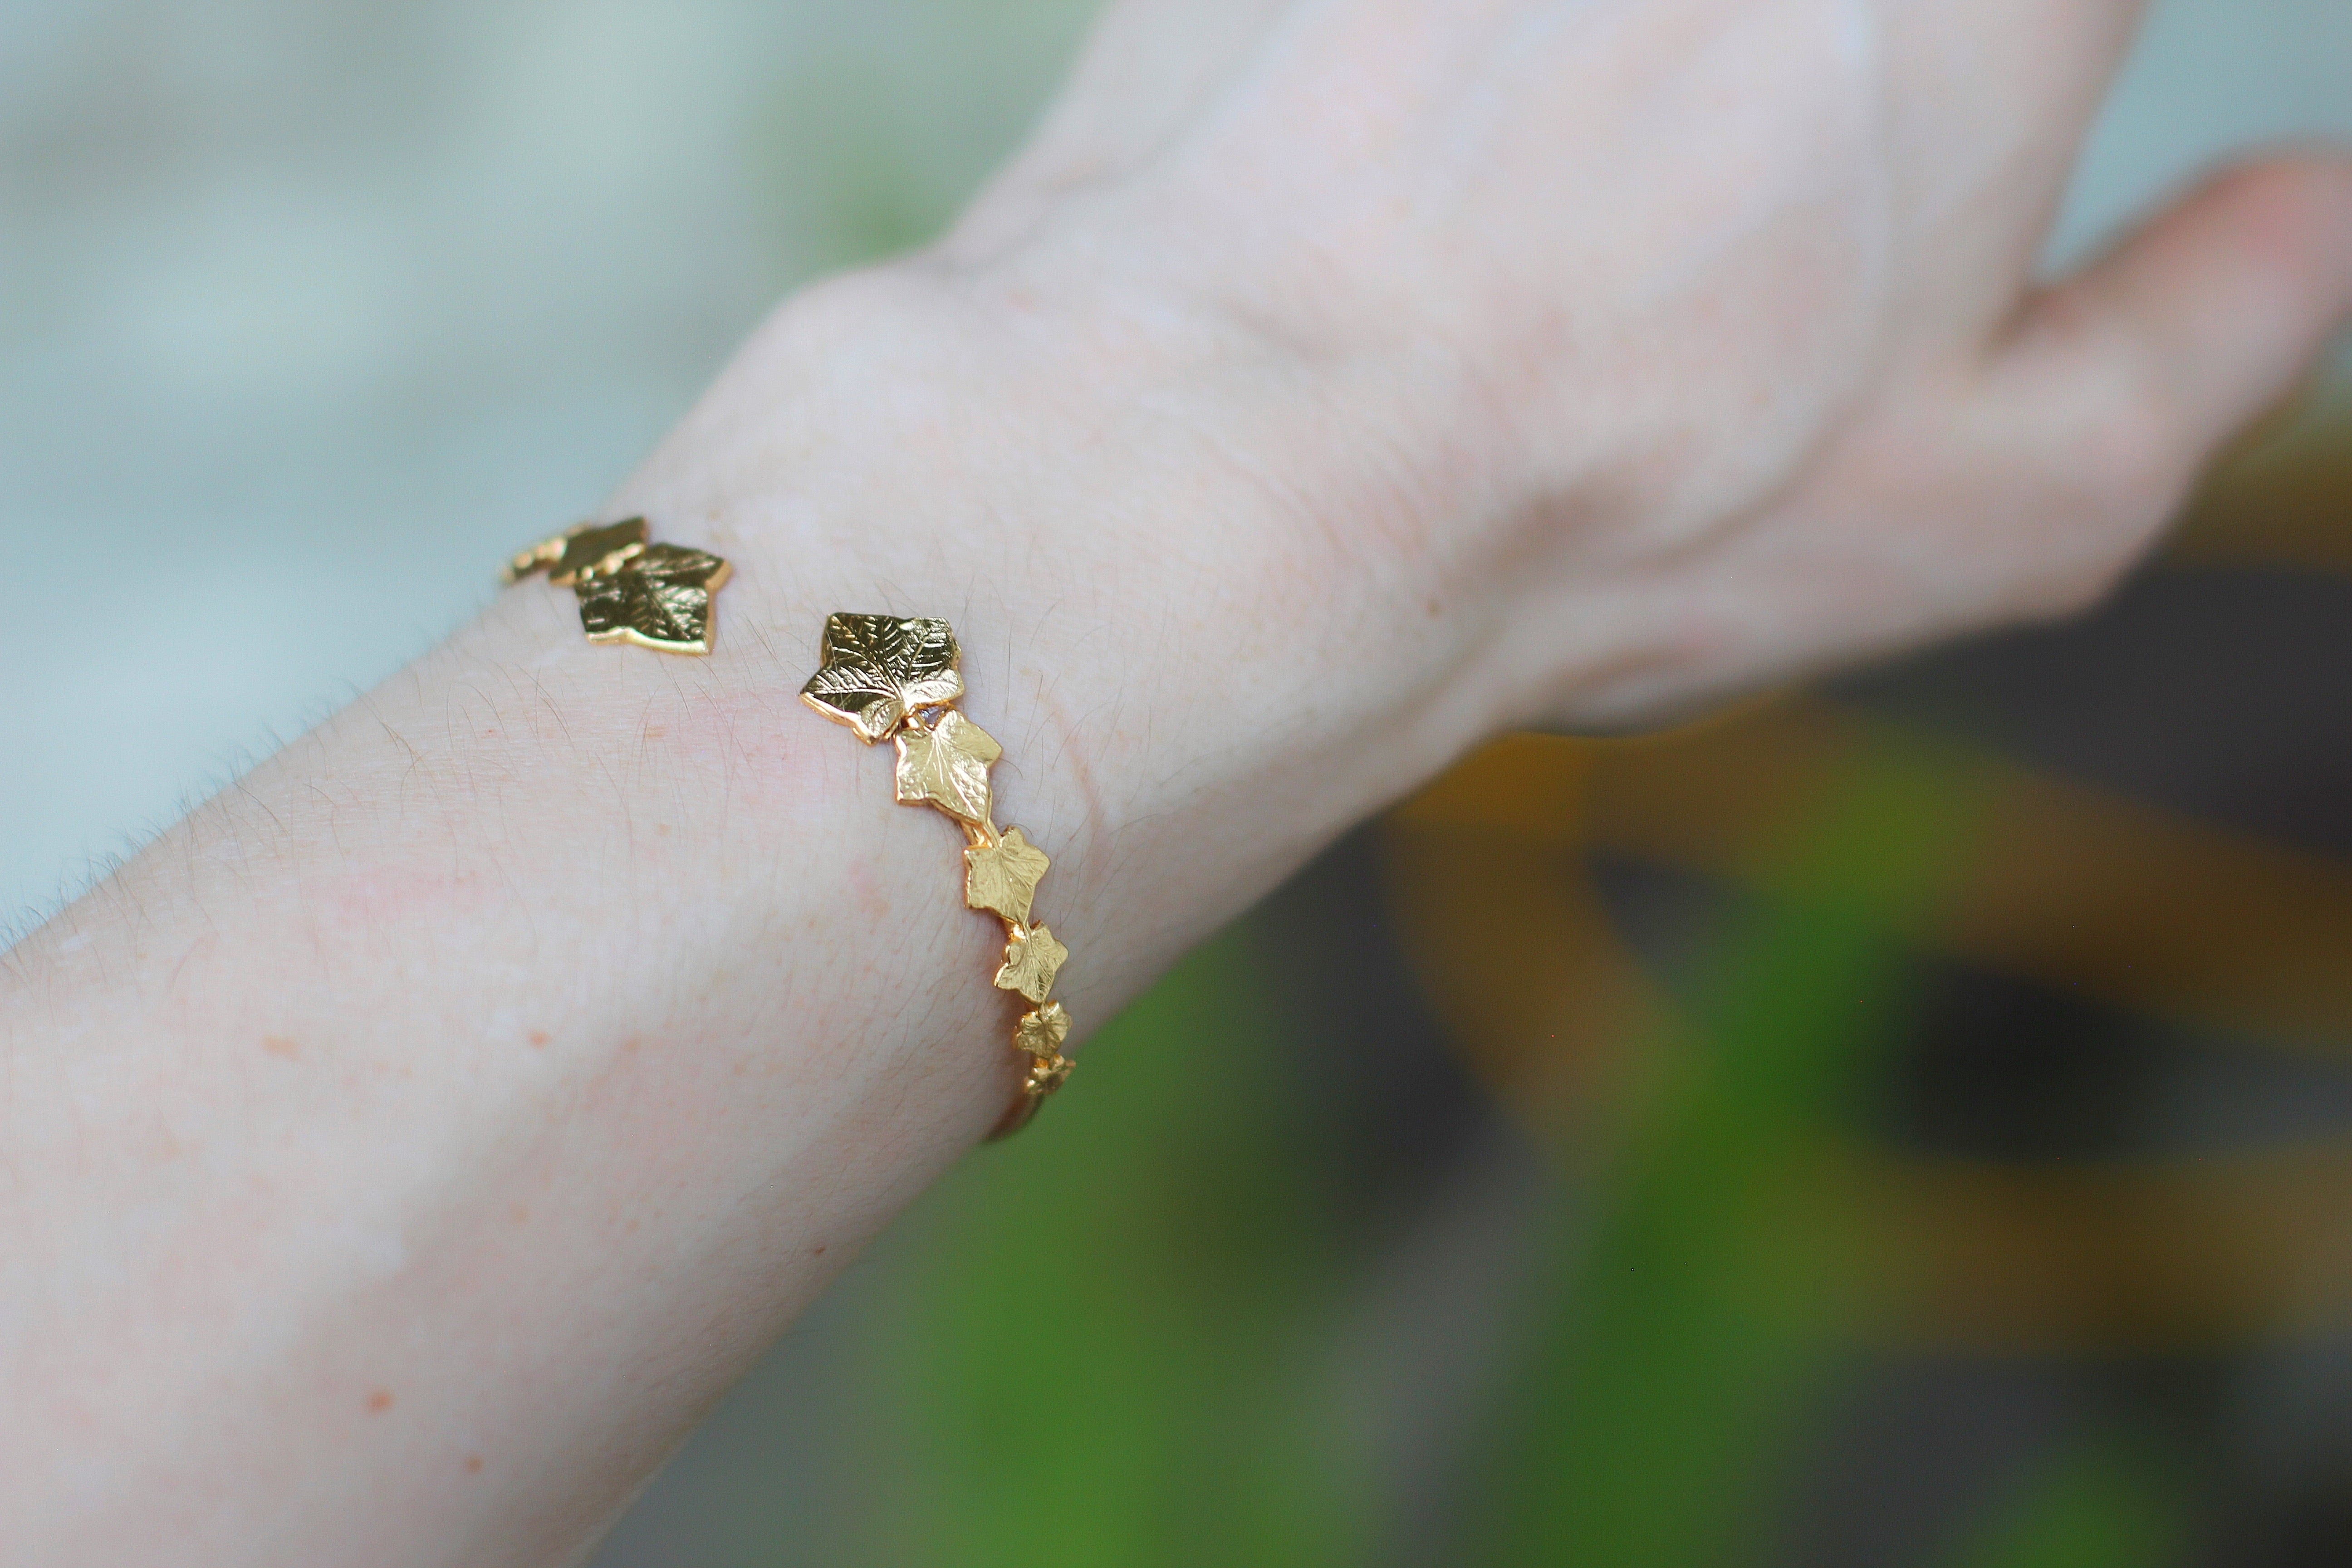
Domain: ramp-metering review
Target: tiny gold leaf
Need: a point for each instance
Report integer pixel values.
(1041, 1033)
(590, 548)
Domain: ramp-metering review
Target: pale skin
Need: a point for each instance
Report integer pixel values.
(401, 1152)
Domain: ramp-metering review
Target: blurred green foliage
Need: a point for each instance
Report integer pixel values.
(2104, 1504)
(1685, 1327)
(1105, 1349)
(1112, 1342)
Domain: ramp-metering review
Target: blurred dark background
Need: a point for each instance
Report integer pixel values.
(1908, 1123)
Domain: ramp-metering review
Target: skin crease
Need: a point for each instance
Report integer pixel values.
(402, 1154)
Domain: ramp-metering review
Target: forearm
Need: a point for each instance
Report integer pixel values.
(463, 1095)
(474, 1088)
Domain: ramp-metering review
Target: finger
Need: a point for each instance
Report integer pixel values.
(2138, 369)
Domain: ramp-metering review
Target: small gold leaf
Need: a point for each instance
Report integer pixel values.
(877, 670)
(1041, 1033)
(946, 766)
(590, 548)
(660, 597)
(1032, 959)
(1004, 875)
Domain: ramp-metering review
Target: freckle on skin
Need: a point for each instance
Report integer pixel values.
(873, 899)
(379, 1402)
(816, 1252)
(280, 1046)
(522, 1214)
(473, 1464)
(540, 1037)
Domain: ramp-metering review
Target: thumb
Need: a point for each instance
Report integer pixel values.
(2137, 369)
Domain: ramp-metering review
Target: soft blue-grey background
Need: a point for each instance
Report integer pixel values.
(309, 312)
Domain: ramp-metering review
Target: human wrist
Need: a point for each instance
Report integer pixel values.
(1126, 521)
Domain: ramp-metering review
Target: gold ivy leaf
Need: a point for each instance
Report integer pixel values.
(583, 552)
(1041, 1033)
(1032, 959)
(660, 597)
(1004, 875)
(1048, 1074)
(877, 670)
(946, 766)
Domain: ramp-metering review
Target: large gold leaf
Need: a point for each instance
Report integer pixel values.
(1004, 875)
(659, 599)
(946, 766)
(877, 670)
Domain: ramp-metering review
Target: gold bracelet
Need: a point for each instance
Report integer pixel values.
(882, 676)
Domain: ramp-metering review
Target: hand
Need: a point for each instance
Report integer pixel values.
(1334, 383)
(1674, 345)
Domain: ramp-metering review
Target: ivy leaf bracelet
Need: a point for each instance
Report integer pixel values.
(881, 676)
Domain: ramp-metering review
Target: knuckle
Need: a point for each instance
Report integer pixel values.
(2079, 584)
(2132, 455)
(2110, 422)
